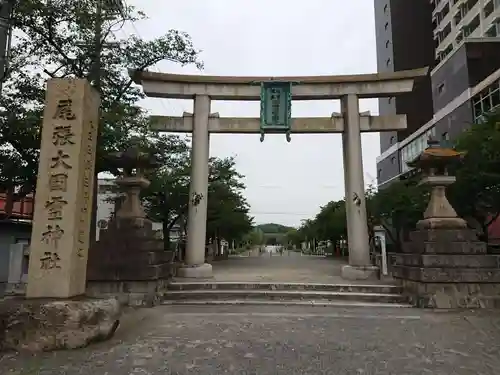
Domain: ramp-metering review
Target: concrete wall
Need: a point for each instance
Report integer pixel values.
(388, 168)
(412, 26)
(466, 67)
(383, 32)
(450, 80)
(456, 122)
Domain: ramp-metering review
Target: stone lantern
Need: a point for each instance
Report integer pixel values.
(133, 162)
(129, 261)
(434, 163)
(444, 265)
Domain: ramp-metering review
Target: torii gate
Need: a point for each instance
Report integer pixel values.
(276, 94)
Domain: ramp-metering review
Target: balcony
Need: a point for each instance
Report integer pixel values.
(438, 5)
(493, 17)
(469, 10)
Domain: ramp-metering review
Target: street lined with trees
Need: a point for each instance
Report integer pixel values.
(397, 207)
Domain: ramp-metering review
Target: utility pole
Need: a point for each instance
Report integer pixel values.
(6, 9)
(95, 77)
(95, 74)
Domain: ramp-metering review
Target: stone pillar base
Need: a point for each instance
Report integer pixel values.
(201, 271)
(452, 295)
(135, 293)
(448, 269)
(360, 272)
(43, 325)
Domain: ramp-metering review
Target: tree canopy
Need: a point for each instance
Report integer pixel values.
(166, 199)
(476, 193)
(58, 39)
(398, 206)
(67, 38)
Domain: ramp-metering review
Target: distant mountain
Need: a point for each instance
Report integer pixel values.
(272, 228)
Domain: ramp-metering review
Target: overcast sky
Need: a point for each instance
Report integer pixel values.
(286, 182)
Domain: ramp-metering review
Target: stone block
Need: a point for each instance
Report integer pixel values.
(349, 272)
(44, 325)
(129, 251)
(128, 272)
(140, 257)
(452, 295)
(443, 247)
(447, 275)
(144, 293)
(443, 235)
(446, 260)
(203, 271)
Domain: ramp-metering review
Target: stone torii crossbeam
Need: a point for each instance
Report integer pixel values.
(349, 89)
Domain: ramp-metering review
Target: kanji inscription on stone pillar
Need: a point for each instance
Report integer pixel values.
(63, 201)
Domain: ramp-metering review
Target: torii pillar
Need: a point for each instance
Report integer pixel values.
(194, 263)
(360, 267)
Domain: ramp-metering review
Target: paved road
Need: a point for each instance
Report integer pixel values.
(289, 267)
(283, 340)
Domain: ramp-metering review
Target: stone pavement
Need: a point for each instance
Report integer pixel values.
(282, 340)
(289, 267)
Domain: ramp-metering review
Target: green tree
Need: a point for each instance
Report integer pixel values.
(397, 208)
(330, 222)
(166, 199)
(292, 238)
(227, 215)
(272, 228)
(57, 39)
(476, 193)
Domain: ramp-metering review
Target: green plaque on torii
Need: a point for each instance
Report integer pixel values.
(275, 108)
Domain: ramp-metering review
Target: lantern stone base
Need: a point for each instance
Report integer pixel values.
(129, 263)
(44, 325)
(452, 295)
(448, 268)
(138, 293)
(349, 272)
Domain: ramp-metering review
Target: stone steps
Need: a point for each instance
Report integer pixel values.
(317, 303)
(237, 293)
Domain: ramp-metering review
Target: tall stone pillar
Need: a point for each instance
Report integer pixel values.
(194, 263)
(348, 190)
(63, 202)
(359, 267)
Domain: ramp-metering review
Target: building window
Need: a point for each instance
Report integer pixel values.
(379, 173)
(393, 160)
(388, 62)
(440, 88)
(393, 140)
(486, 101)
(387, 42)
(445, 136)
(386, 7)
(386, 26)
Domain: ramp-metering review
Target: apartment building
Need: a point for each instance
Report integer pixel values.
(454, 20)
(464, 80)
(404, 35)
